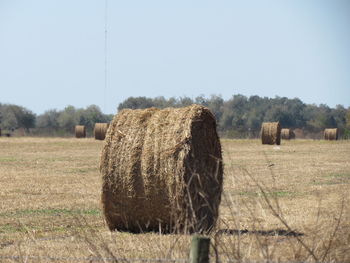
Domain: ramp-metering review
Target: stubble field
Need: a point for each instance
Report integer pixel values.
(280, 203)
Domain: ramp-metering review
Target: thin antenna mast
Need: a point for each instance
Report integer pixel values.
(105, 58)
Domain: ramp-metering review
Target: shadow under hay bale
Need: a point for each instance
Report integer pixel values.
(80, 131)
(331, 134)
(100, 130)
(273, 232)
(162, 170)
(271, 133)
(287, 134)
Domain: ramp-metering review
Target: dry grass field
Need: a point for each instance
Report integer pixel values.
(280, 203)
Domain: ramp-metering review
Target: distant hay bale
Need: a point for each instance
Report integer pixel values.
(287, 134)
(100, 130)
(271, 133)
(162, 170)
(80, 131)
(331, 134)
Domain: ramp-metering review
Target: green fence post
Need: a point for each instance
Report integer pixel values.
(199, 249)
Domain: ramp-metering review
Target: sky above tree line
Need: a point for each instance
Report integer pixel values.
(52, 53)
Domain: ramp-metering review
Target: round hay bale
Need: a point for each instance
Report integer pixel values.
(162, 170)
(287, 134)
(331, 134)
(100, 130)
(271, 133)
(80, 131)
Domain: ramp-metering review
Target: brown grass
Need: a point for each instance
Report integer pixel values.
(169, 170)
(271, 133)
(80, 131)
(331, 134)
(100, 130)
(50, 203)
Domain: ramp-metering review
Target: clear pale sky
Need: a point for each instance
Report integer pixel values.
(52, 51)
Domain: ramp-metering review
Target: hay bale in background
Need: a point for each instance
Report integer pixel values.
(80, 131)
(331, 134)
(287, 134)
(271, 133)
(162, 170)
(100, 130)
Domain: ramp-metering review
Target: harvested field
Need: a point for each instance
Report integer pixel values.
(50, 203)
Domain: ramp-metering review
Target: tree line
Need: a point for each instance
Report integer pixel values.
(241, 116)
(52, 122)
(237, 117)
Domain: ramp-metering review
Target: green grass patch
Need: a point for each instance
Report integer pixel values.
(52, 211)
(11, 229)
(83, 170)
(56, 159)
(327, 182)
(8, 228)
(281, 194)
(345, 175)
(268, 194)
(5, 159)
(334, 178)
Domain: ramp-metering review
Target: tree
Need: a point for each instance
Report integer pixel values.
(348, 118)
(91, 115)
(14, 117)
(68, 119)
(281, 114)
(48, 121)
(339, 115)
(9, 120)
(241, 115)
(215, 103)
(136, 103)
(184, 101)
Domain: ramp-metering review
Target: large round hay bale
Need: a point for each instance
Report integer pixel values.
(271, 133)
(162, 170)
(100, 130)
(287, 134)
(331, 134)
(80, 131)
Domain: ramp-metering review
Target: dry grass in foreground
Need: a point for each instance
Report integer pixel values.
(286, 203)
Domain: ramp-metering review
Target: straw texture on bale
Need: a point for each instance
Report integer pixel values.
(271, 133)
(331, 134)
(162, 170)
(80, 131)
(287, 134)
(100, 130)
